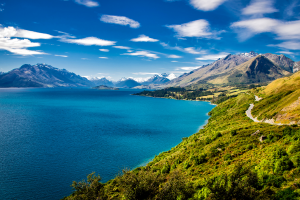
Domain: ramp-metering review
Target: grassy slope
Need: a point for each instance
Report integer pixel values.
(221, 161)
(279, 100)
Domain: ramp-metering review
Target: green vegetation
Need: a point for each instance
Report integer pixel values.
(213, 94)
(222, 161)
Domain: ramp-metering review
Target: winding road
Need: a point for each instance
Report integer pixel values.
(248, 113)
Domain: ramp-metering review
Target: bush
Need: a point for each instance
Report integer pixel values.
(165, 169)
(282, 165)
(294, 148)
(216, 136)
(279, 153)
(286, 194)
(296, 160)
(142, 185)
(186, 164)
(227, 157)
(233, 132)
(87, 190)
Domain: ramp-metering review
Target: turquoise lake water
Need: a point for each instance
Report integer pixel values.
(50, 137)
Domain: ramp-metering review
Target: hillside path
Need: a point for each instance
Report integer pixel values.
(248, 113)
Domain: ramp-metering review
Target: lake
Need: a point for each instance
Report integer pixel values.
(50, 137)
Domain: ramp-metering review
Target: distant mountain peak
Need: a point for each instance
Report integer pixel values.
(251, 54)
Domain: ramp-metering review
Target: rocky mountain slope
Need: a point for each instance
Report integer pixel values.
(223, 70)
(42, 75)
(257, 70)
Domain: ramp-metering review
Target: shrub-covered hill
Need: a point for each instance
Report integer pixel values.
(281, 101)
(224, 160)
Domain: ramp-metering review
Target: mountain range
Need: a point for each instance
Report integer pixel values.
(244, 68)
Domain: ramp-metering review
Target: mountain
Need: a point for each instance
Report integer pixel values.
(281, 61)
(127, 83)
(159, 79)
(1, 73)
(229, 70)
(257, 70)
(297, 66)
(100, 81)
(207, 71)
(42, 75)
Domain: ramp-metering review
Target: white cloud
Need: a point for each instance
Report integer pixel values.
(187, 68)
(199, 28)
(259, 25)
(32, 35)
(192, 50)
(206, 5)
(144, 38)
(174, 61)
(284, 30)
(18, 46)
(166, 46)
(212, 56)
(121, 47)
(104, 57)
(89, 41)
(174, 56)
(25, 52)
(292, 45)
(286, 52)
(13, 32)
(104, 50)
(121, 20)
(259, 7)
(288, 30)
(144, 73)
(88, 3)
(64, 56)
(142, 54)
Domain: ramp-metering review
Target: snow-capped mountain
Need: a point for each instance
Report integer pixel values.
(127, 83)
(251, 54)
(171, 76)
(100, 81)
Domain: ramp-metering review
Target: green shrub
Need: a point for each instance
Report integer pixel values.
(279, 153)
(249, 146)
(282, 165)
(186, 164)
(294, 148)
(165, 169)
(213, 152)
(143, 185)
(216, 136)
(227, 157)
(296, 160)
(233, 132)
(88, 190)
(286, 194)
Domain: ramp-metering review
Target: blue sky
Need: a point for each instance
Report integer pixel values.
(139, 38)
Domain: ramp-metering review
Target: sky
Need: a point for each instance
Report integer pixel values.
(141, 38)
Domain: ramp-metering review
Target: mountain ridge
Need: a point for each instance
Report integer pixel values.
(42, 75)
